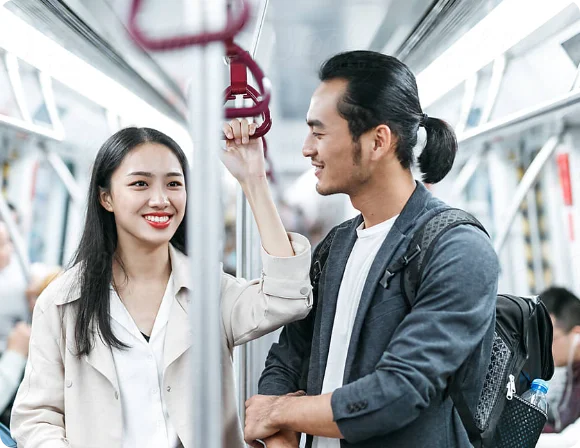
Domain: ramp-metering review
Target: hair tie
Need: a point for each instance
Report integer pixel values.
(423, 120)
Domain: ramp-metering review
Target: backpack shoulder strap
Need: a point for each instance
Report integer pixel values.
(414, 261)
(419, 251)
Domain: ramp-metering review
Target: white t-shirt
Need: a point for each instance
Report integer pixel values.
(355, 274)
(140, 375)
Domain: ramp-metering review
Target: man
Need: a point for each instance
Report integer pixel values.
(376, 372)
(564, 308)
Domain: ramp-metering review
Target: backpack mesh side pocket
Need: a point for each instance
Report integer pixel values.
(494, 384)
(520, 425)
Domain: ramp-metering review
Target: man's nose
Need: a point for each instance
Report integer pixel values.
(308, 148)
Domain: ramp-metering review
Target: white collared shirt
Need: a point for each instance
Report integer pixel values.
(357, 269)
(140, 374)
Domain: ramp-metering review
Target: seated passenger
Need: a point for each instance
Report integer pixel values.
(564, 308)
(109, 356)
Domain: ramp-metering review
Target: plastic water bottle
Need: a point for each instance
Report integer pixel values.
(537, 395)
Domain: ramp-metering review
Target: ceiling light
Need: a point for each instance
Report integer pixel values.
(506, 25)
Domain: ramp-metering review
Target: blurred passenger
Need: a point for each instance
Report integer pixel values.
(110, 360)
(13, 326)
(564, 308)
(12, 363)
(13, 307)
(40, 277)
(13, 360)
(376, 372)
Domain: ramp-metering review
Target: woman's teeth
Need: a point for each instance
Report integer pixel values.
(157, 218)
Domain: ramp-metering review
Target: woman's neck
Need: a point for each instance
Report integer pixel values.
(136, 262)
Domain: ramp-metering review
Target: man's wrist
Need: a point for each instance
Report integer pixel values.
(279, 415)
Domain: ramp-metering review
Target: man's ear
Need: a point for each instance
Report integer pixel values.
(383, 139)
(105, 200)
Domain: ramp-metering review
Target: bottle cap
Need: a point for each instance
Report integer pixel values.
(540, 385)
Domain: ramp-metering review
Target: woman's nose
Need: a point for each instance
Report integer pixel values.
(159, 199)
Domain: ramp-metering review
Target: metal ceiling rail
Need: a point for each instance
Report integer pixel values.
(470, 167)
(15, 237)
(514, 123)
(29, 128)
(73, 188)
(25, 123)
(497, 75)
(467, 172)
(13, 68)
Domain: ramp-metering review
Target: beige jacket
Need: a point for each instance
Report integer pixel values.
(65, 401)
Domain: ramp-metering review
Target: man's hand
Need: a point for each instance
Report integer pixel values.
(19, 338)
(260, 417)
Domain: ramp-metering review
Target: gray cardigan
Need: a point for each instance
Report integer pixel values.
(399, 361)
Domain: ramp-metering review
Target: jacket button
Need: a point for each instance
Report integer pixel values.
(350, 408)
(364, 404)
(168, 388)
(304, 290)
(68, 383)
(116, 395)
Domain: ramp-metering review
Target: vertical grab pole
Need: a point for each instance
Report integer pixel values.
(248, 264)
(205, 225)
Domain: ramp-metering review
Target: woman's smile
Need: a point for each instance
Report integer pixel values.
(158, 220)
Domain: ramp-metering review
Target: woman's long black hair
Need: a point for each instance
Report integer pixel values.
(382, 90)
(99, 240)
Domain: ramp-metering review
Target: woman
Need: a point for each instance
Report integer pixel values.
(109, 361)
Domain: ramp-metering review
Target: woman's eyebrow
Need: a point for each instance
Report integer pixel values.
(140, 173)
(148, 174)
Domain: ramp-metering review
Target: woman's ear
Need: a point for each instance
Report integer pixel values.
(105, 200)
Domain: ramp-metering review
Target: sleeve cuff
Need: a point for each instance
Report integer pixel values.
(361, 411)
(283, 274)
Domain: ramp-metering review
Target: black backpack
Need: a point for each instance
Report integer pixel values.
(521, 350)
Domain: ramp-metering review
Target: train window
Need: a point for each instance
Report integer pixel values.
(85, 123)
(48, 226)
(8, 104)
(33, 95)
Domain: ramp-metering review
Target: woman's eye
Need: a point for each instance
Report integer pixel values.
(174, 184)
(139, 183)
